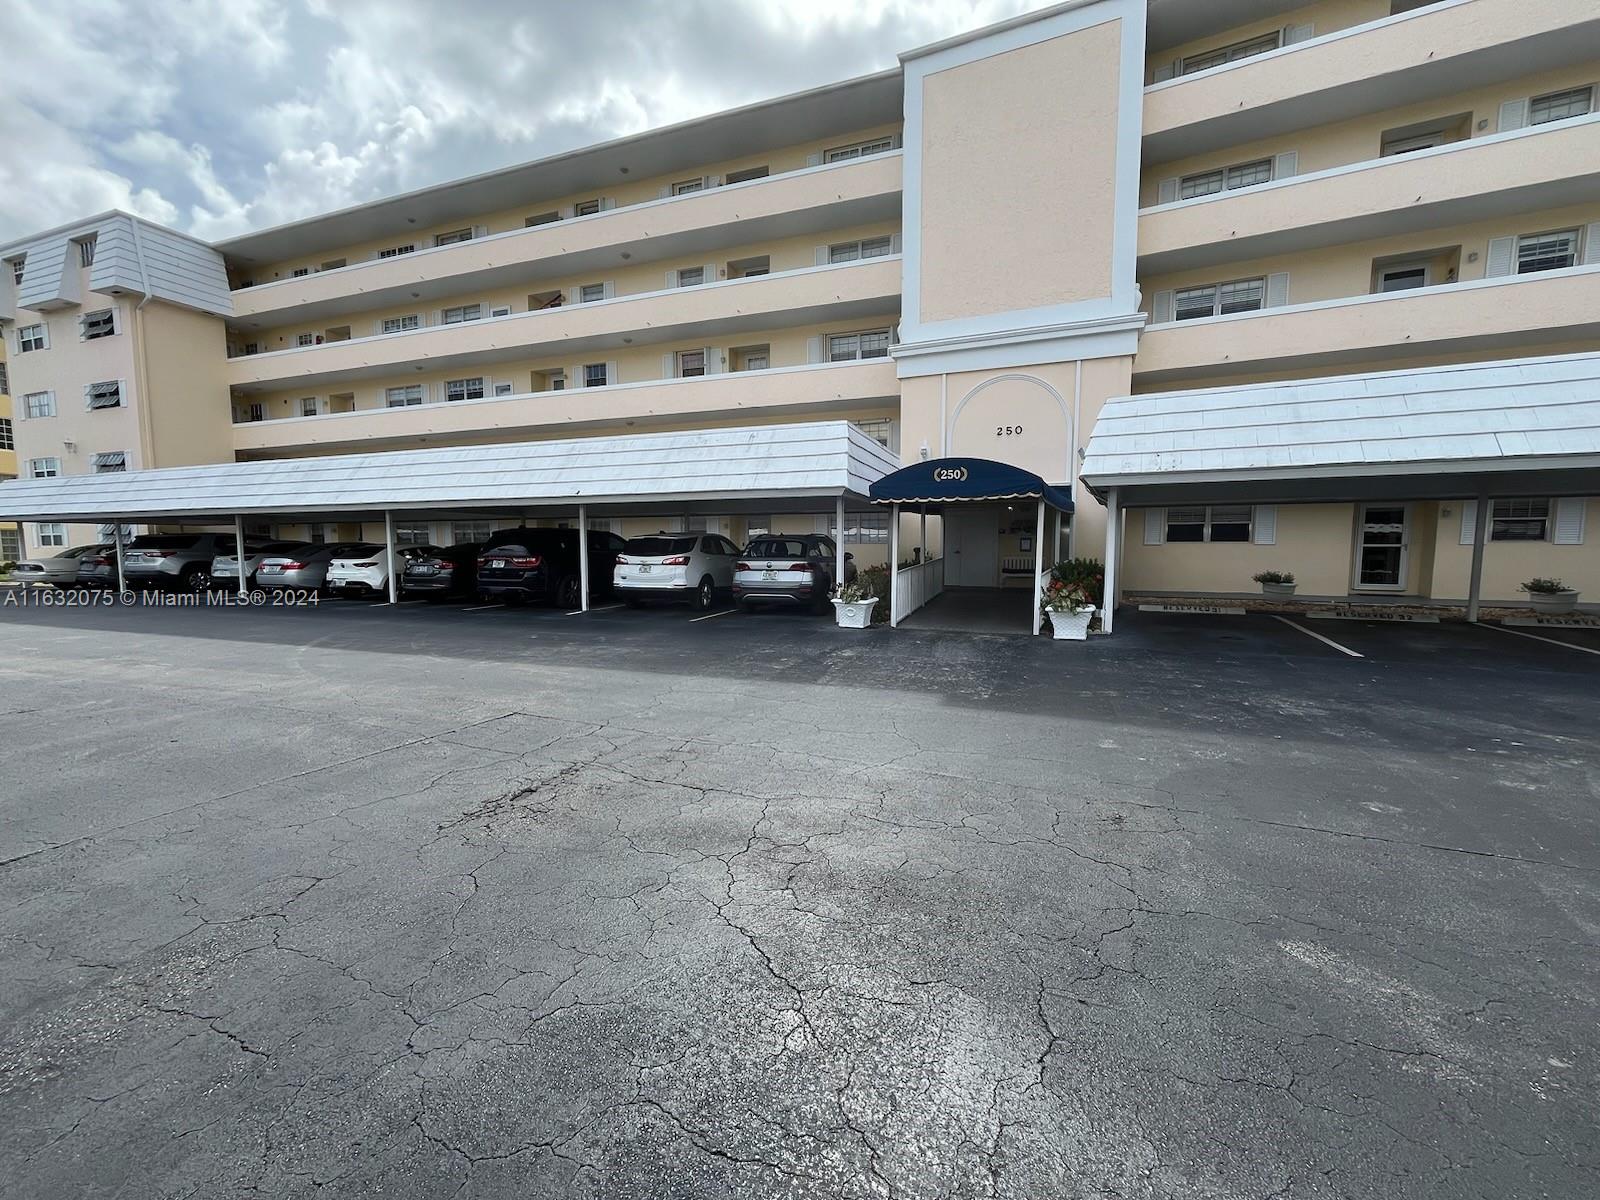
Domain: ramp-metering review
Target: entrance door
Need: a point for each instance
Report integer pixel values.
(1381, 548)
(972, 547)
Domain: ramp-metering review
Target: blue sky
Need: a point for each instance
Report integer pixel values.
(220, 116)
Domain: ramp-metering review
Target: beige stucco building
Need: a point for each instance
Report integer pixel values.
(969, 255)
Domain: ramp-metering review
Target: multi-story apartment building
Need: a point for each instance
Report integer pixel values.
(969, 255)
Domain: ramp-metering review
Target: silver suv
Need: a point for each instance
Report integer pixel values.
(180, 560)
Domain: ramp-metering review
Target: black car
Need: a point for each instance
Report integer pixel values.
(452, 571)
(517, 565)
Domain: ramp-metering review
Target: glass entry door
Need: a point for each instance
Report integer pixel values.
(1381, 546)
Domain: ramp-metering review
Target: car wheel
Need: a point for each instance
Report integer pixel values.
(704, 596)
(196, 579)
(568, 592)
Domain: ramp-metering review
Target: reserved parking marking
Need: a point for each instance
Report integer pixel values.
(578, 612)
(1312, 633)
(483, 608)
(1538, 638)
(709, 616)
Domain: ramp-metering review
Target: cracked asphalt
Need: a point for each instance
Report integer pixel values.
(427, 903)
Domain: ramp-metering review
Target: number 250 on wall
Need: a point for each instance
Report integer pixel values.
(1007, 430)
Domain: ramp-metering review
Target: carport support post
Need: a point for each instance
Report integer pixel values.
(1113, 530)
(388, 545)
(894, 565)
(238, 553)
(1038, 566)
(122, 583)
(838, 545)
(1480, 533)
(583, 558)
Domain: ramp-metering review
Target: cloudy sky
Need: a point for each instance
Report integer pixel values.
(220, 116)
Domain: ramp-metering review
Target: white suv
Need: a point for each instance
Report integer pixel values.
(364, 570)
(675, 566)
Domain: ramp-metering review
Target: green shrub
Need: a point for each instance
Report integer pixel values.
(1545, 587)
(1285, 577)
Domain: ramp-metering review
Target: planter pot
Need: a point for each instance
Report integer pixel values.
(1278, 589)
(1553, 602)
(854, 614)
(1070, 627)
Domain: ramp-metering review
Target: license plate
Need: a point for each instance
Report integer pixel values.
(272, 569)
(496, 563)
(769, 574)
(643, 568)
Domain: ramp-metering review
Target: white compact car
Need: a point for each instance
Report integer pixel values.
(364, 571)
(60, 569)
(675, 566)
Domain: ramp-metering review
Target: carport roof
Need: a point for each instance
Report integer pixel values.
(755, 468)
(1500, 428)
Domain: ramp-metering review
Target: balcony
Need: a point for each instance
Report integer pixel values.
(1529, 170)
(812, 295)
(1452, 46)
(784, 392)
(1545, 309)
(812, 200)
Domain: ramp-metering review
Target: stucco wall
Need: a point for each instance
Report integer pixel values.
(1507, 565)
(189, 418)
(1314, 542)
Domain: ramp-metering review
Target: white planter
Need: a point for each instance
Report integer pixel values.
(854, 614)
(1278, 589)
(1070, 627)
(1553, 602)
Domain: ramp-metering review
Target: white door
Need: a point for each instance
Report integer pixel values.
(972, 546)
(1383, 543)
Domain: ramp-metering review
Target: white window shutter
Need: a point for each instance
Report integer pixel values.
(1591, 245)
(1299, 33)
(1469, 520)
(479, 231)
(1277, 289)
(1266, 525)
(1165, 72)
(666, 191)
(822, 256)
(612, 376)
(1513, 115)
(1161, 308)
(813, 349)
(896, 140)
(567, 212)
(713, 181)
(1502, 257)
(608, 290)
(894, 243)
(669, 366)
(814, 159)
(1568, 527)
(672, 278)
(1155, 526)
(607, 203)
(711, 275)
(1167, 191)
(1286, 165)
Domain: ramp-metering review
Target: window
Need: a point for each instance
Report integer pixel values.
(1205, 183)
(309, 406)
(107, 394)
(586, 208)
(98, 324)
(244, 414)
(685, 186)
(1403, 277)
(691, 363)
(50, 535)
(1558, 106)
(32, 337)
(1232, 53)
(748, 268)
(300, 272)
(1520, 521)
(333, 264)
(691, 276)
(451, 238)
(252, 348)
(751, 358)
(1410, 138)
(1216, 523)
(845, 347)
(502, 389)
(859, 150)
(16, 268)
(500, 310)
(7, 436)
(590, 292)
(39, 404)
(44, 468)
(594, 375)
(464, 389)
(470, 531)
(10, 545)
(402, 397)
(402, 324)
(86, 252)
(865, 528)
(305, 339)
(412, 535)
(393, 251)
(1547, 251)
(746, 175)
(5, 382)
(879, 430)
(1215, 299)
(110, 463)
(544, 218)
(461, 313)
(866, 248)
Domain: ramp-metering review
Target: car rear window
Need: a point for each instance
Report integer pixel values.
(360, 551)
(649, 547)
(162, 541)
(777, 548)
(529, 539)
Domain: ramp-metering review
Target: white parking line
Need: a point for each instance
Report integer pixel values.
(709, 616)
(483, 608)
(1537, 638)
(1327, 641)
(578, 612)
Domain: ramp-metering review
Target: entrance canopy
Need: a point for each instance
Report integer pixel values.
(765, 468)
(966, 480)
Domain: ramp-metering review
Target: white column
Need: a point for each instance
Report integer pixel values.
(1038, 565)
(388, 542)
(583, 558)
(894, 565)
(838, 543)
(1113, 532)
(122, 583)
(238, 547)
(1480, 534)
(924, 533)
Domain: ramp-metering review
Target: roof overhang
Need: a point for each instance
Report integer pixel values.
(940, 481)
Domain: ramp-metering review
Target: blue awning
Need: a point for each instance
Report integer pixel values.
(966, 480)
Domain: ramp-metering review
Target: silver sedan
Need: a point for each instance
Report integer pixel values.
(301, 569)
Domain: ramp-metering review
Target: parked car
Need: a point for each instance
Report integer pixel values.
(452, 571)
(225, 567)
(675, 566)
(98, 569)
(306, 568)
(181, 560)
(786, 569)
(517, 565)
(365, 570)
(62, 569)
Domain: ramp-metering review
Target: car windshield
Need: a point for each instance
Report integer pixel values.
(162, 541)
(777, 548)
(655, 547)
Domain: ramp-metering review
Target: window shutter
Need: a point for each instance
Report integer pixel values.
(1513, 115)
(1266, 525)
(607, 203)
(1161, 308)
(1155, 526)
(713, 360)
(813, 349)
(713, 181)
(1277, 290)
(822, 256)
(479, 231)
(612, 376)
(1568, 527)
(1469, 519)
(666, 191)
(1299, 33)
(1286, 165)
(1502, 257)
(711, 275)
(1591, 245)
(567, 212)
(669, 366)
(672, 278)
(1167, 191)
(814, 159)
(1165, 72)
(608, 290)
(894, 241)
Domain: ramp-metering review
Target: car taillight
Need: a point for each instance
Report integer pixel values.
(293, 566)
(622, 560)
(363, 566)
(677, 560)
(806, 567)
(742, 567)
(532, 560)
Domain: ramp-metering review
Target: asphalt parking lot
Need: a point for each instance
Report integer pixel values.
(422, 902)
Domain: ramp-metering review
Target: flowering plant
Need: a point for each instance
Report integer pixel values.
(1062, 597)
